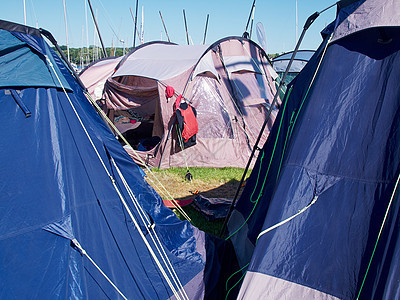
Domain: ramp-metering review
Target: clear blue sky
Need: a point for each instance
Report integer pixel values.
(227, 17)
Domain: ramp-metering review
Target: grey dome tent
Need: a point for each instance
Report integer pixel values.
(230, 85)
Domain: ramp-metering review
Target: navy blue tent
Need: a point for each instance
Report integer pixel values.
(319, 217)
(77, 218)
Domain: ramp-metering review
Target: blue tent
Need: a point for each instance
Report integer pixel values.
(319, 217)
(77, 218)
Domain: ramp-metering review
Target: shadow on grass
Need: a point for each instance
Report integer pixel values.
(198, 219)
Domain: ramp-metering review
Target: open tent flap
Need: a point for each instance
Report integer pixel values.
(133, 103)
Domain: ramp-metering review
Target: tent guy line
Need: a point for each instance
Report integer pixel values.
(161, 268)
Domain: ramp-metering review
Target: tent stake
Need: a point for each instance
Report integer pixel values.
(307, 24)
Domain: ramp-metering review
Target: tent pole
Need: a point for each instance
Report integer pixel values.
(50, 37)
(307, 24)
(166, 140)
(252, 20)
(205, 30)
(165, 28)
(246, 34)
(97, 28)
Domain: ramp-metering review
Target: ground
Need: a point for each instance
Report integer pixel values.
(209, 182)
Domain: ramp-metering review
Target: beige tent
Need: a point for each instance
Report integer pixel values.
(230, 84)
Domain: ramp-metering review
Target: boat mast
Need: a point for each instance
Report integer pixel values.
(142, 28)
(134, 36)
(66, 29)
(165, 28)
(205, 30)
(134, 22)
(187, 34)
(297, 27)
(24, 13)
(97, 28)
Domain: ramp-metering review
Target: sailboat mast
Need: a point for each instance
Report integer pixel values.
(97, 28)
(134, 22)
(187, 34)
(66, 29)
(205, 30)
(297, 27)
(165, 28)
(134, 37)
(24, 13)
(142, 28)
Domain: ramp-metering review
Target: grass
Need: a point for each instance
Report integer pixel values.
(209, 182)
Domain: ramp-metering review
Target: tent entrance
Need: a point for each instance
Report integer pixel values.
(136, 115)
(138, 131)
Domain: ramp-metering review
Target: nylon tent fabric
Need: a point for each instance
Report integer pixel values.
(69, 226)
(100, 71)
(230, 84)
(318, 218)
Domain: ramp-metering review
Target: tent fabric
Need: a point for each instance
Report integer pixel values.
(155, 60)
(229, 83)
(14, 51)
(59, 205)
(96, 78)
(308, 221)
(367, 15)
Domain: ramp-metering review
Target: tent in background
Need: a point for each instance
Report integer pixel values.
(77, 218)
(100, 71)
(280, 63)
(230, 84)
(319, 217)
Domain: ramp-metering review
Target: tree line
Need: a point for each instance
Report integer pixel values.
(84, 56)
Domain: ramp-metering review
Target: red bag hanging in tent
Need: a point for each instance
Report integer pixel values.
(190, 125)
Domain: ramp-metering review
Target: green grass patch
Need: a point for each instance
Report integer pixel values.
(209, 182)
(208, 174)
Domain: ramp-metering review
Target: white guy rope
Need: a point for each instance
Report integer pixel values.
(116, 188)
(151, 230)
(161, 190)
(288, 219)
(83, 252)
